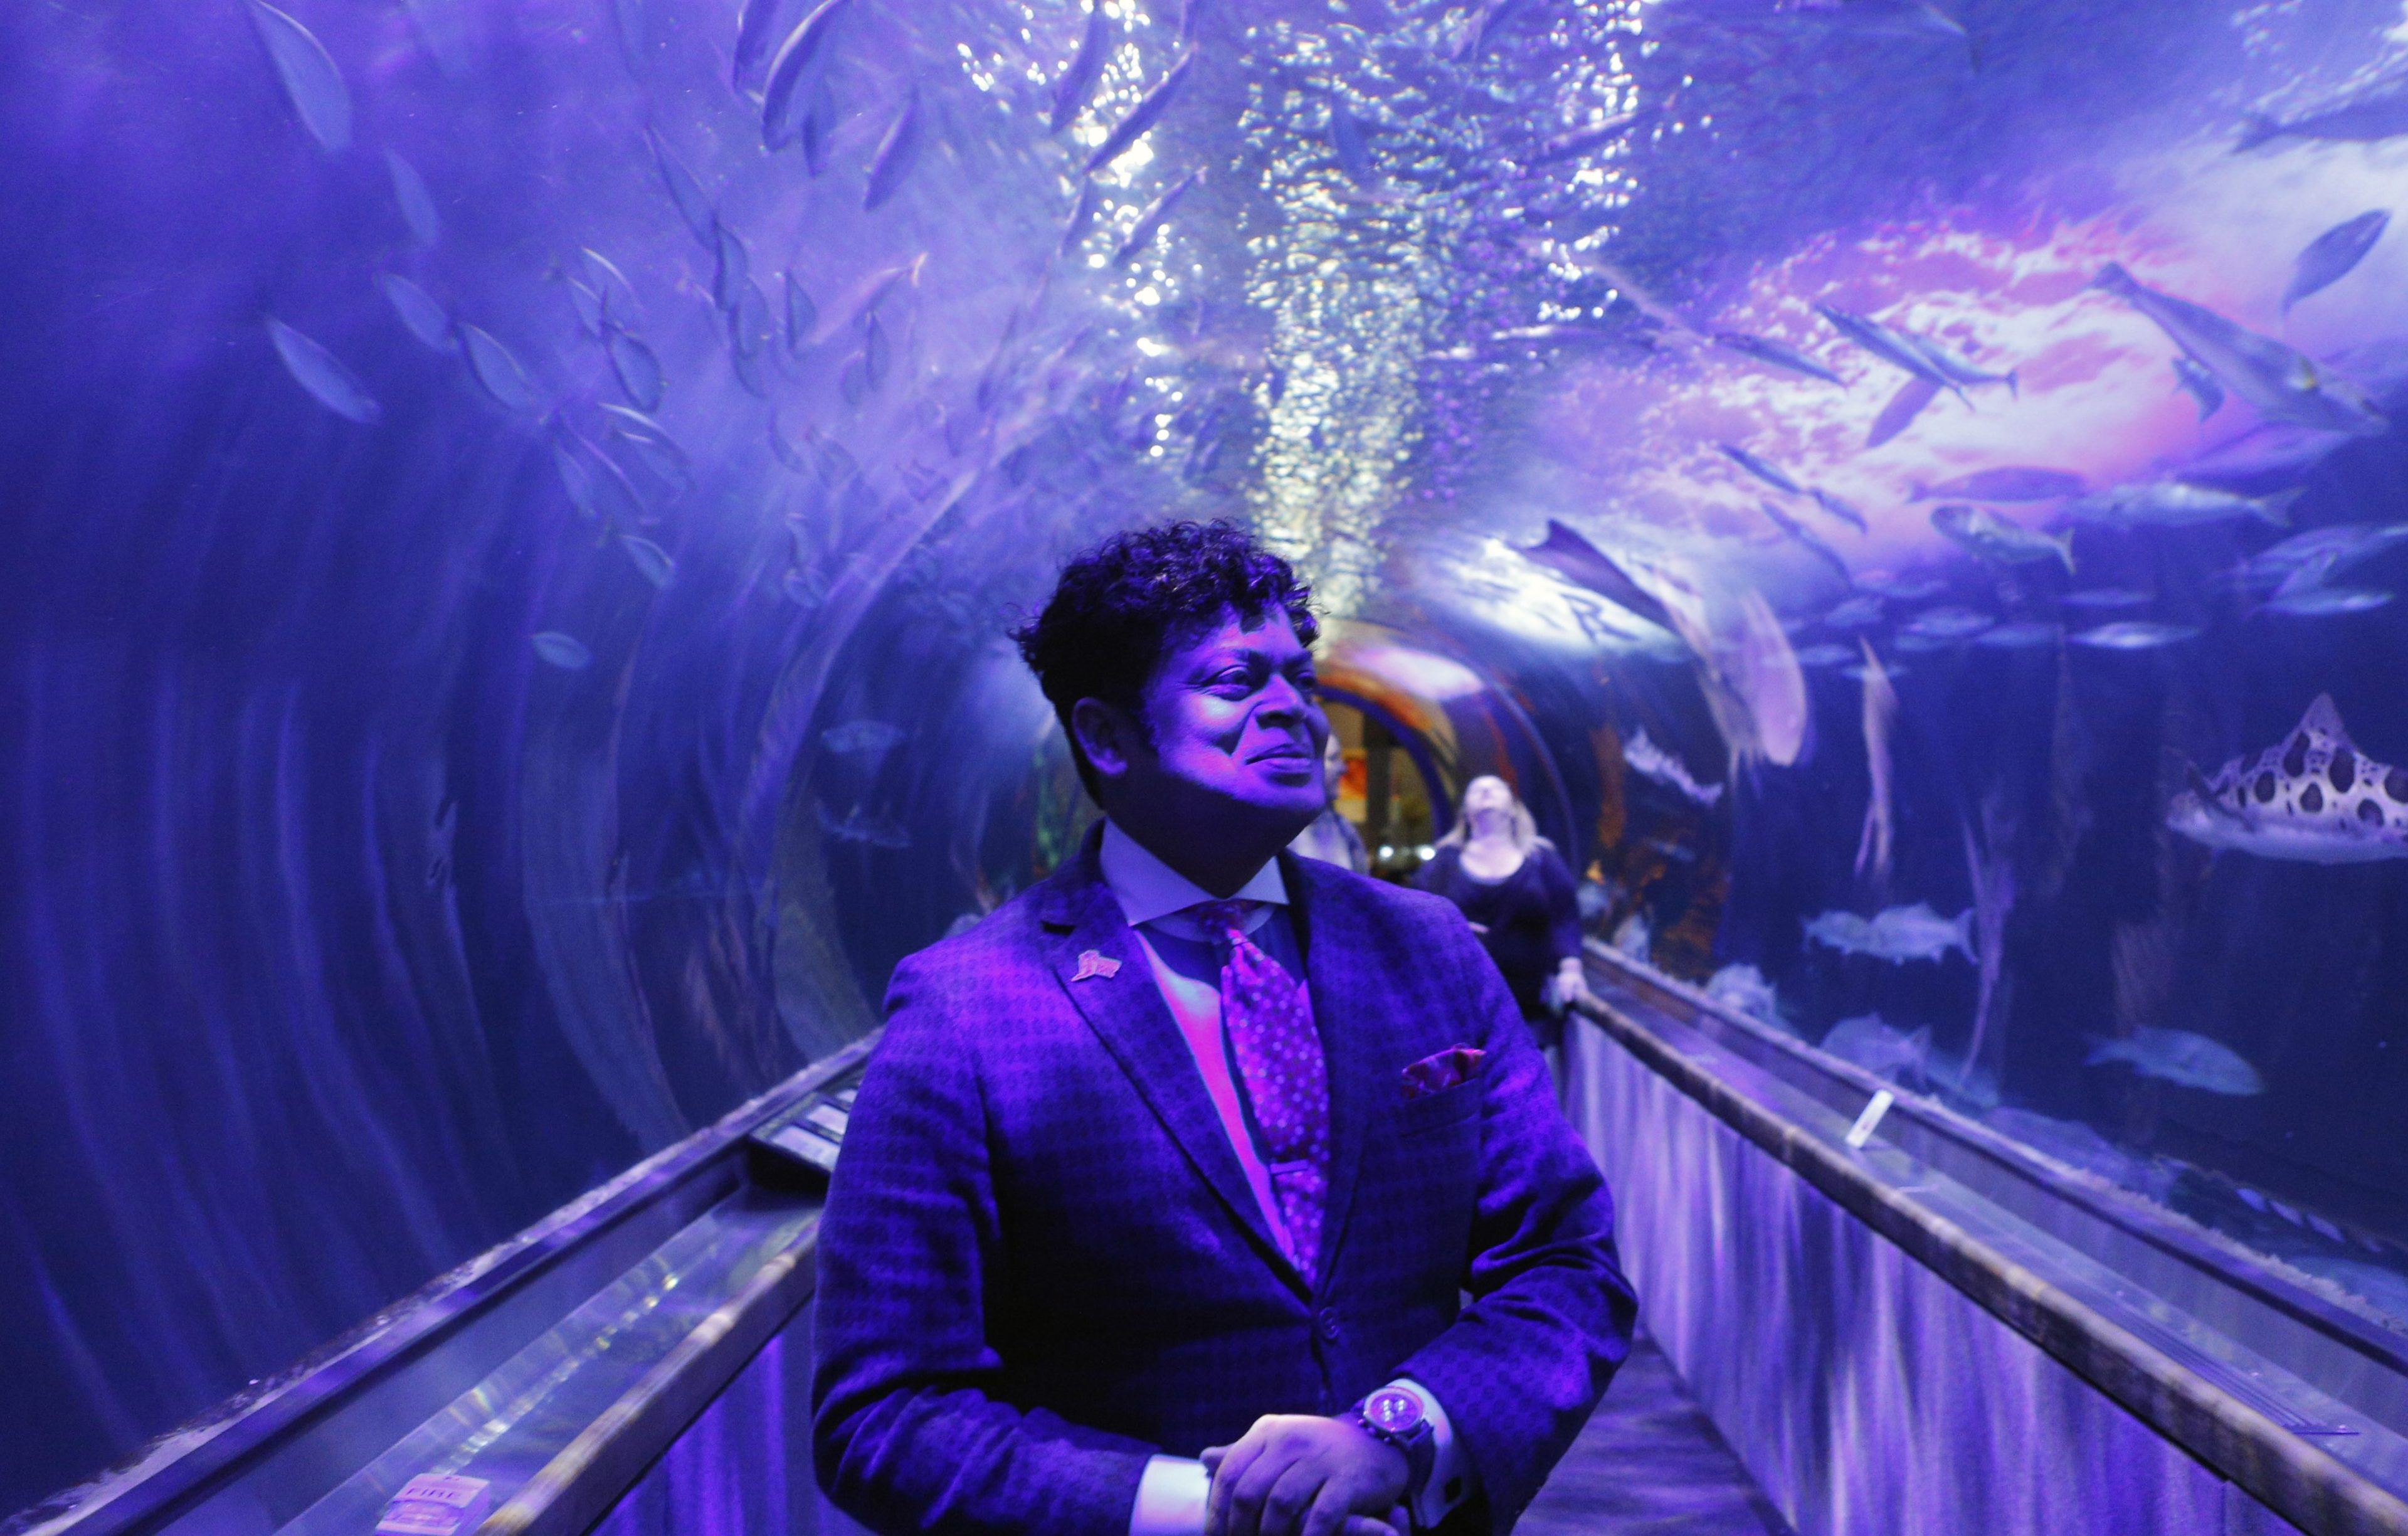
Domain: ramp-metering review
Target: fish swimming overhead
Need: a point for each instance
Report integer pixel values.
(323, 374)
(2329, 551)
(2134, 635)
(2009, 483)
(2312, 798)
(1895, 934)
(1071, 89)
(1860, 613)
(2331, 255)
(2279, 382)
(1143, 116)
(312, 85)
(1582, 563)
(2321, 602)
(1650, 761)
(1958, 371)
(2374, 115)
(2181, 1057)
(1898, 350)
(2173, 504)
(786, 97)
(416, 203)
(1947, 623)
(897, 155)
(1993, 537)
(1813, 542)
(1839, 508)
(423, 316)
(1761, 469)
(1141, 232)
(1772, 352)
(1903, 408)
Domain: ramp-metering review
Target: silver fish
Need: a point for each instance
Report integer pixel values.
(323, 374)
(1761, 469)
(802, 315)
(2200, 384)
(1839, 508)
(1079, 77)
(2331, 255)
(419, 314)
(795, 73)
(2134, 635)
(2330, 550)
(619, 300)
(416, 203)
(312, 85)
(2011, 483)
(497, 371)
(588, 307)
(2374, 115)
(685, 194)
(756, 24)
(859, 826)
(1582, 563)
(897, 153)
(1903, 408)
(638, 371)
(1947, 623)
(596, 486)
(566, 652)
(2181, 1057)
(1901, 589)
(2107, 598)
(1993, 537)
(1813, 542)
(1879, 1047)
(1825, 654)
(1861, 612)
(1143, 116)
(1895, 934)
(1884, 344)
(1959, 372)
(732, 266)
(2020, 635)
(2175, 504)
(655, 563)
(1141, 232)
(1651, 761)
(2321, 602)
(1773, 352)
(2312, 798)
(867, 738)
(2279, 382)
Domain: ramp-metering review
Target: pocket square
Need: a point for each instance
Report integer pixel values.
(1441, 1070)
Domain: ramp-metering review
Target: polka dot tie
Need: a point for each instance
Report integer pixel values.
(1269, 1017)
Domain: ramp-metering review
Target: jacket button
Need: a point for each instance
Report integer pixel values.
(1326, 1323)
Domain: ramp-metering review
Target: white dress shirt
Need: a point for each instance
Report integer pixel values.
(1187, 965)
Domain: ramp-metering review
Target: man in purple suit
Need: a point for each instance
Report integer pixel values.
(1165, 1191)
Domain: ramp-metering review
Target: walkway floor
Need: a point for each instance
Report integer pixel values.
(1650, 1463)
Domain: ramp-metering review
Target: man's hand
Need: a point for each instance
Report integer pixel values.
(1297, 1475)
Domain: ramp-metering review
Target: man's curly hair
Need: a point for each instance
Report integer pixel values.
(1123, 603)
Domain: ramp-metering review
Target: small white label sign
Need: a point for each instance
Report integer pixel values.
(1862, 1131)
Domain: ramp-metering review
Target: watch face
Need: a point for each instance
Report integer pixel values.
(1394, 1409)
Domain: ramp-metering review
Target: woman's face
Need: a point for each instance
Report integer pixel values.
(1488, 798)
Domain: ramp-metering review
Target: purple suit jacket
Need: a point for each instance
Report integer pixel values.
(1042, 1262)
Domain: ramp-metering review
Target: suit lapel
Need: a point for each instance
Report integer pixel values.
(1126, 1011)
(1344, 1015)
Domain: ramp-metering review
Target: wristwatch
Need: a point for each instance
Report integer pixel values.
(1397, 1416)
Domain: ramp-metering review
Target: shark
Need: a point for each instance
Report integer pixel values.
(2312, 798)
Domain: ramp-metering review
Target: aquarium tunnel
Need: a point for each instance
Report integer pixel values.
(516, 510)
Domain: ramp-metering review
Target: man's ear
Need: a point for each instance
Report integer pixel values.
(1106, 735)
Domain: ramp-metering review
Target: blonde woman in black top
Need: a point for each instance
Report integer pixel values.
(1520, 898)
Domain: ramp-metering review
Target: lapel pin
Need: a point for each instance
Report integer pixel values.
(1095, 962)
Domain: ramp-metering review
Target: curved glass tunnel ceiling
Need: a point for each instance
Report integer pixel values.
(516, 506)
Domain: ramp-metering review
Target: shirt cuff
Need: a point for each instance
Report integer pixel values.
(1453, 1478)
(1171, 1498)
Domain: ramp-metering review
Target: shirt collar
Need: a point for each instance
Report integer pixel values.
(1149, 890)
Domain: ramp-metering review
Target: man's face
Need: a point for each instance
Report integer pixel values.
(1235, 725)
